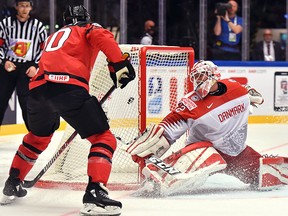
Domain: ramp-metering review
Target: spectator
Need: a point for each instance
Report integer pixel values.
(268, 49)
(228, 32)
(7, 9)
(147, 38)
(21, 41)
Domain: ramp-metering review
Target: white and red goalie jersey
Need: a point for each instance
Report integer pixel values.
(220, 119)
(216, 142)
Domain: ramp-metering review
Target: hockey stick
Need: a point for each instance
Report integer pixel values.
(31, 183)
(161, 164)
(173, 180)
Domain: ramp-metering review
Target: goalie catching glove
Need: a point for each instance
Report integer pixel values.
(122, 72)
(151, 142)
(254, 96)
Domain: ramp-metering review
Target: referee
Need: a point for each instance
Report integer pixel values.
(21, 42)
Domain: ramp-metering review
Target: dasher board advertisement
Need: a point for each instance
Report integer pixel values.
(281, 91)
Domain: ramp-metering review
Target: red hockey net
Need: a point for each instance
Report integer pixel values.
(161, 80)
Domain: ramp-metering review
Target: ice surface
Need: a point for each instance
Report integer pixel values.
(221, 195)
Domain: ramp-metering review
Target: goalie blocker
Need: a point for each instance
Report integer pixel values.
(200, 160)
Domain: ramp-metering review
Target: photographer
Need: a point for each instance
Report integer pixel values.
(228, 31)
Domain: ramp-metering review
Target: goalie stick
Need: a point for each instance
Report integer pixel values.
(161, 164)
(172, 181)
(31, 183)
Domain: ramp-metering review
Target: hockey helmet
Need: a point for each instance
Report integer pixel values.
(204, 75)
(74, 14)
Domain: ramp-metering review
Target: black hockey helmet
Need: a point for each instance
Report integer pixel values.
(31, 2)
(75, 14)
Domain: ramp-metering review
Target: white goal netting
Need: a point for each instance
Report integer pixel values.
(161, 80)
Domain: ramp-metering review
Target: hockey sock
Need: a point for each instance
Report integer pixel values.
(28, 152)
(100, 156)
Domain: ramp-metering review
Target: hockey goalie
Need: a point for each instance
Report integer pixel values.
(215, 117)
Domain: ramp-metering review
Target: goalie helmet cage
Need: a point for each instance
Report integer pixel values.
(161, 80)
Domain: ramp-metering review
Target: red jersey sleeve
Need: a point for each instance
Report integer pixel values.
(103, 39)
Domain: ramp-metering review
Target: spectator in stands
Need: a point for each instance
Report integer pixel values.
(147, 37)
(268, 49)
(228, 32)
(7, 9)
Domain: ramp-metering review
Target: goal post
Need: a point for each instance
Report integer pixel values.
(162, 78)
(172, 59)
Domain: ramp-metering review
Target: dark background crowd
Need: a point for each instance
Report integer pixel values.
(182, 17)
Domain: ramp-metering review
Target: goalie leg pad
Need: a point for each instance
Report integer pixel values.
(196, 156)
(196, 163)
(273, 173)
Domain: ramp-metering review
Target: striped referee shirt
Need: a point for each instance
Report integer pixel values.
(21, 41)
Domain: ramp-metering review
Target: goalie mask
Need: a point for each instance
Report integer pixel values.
(204, 75)
(75, 14)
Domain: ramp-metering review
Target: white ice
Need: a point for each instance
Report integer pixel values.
(221, 195)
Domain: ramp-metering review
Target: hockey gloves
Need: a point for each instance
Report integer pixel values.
(254, 96)
(151, 142)
(121, 72)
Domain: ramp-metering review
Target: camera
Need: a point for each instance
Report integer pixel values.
(222, 8)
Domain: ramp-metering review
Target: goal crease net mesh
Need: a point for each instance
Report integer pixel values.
(161, 81)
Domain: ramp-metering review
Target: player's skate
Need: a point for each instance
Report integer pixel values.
(12, 189)
(97, 202)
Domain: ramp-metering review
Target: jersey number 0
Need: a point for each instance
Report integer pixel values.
(58, 39)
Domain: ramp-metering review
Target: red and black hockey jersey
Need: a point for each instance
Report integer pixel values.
(70, 53)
